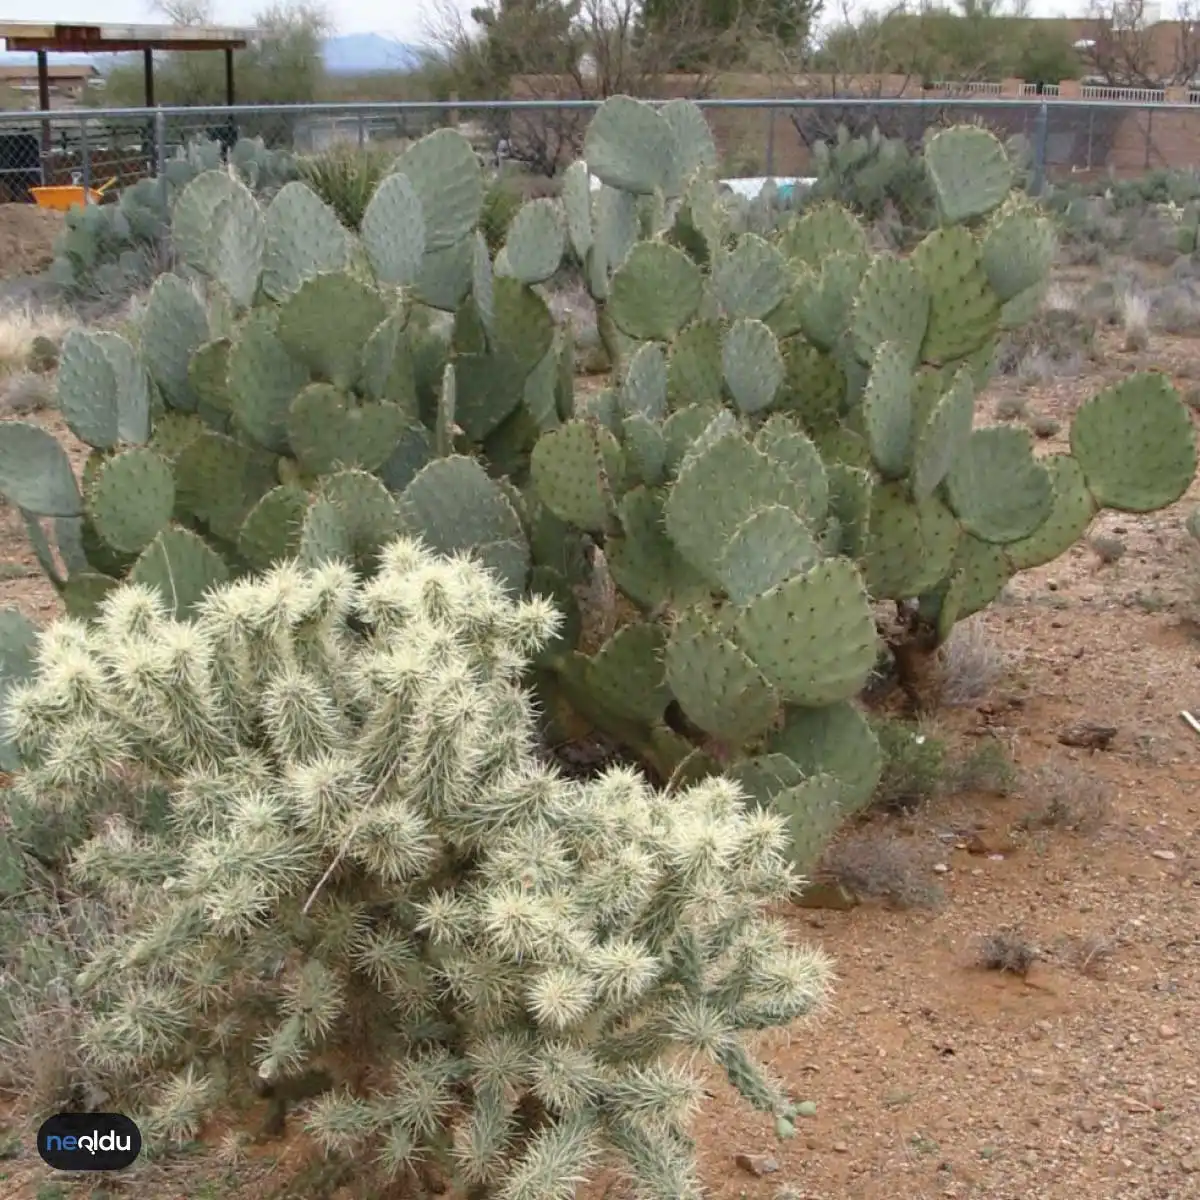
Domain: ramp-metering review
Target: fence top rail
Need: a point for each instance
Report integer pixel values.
(231, 112)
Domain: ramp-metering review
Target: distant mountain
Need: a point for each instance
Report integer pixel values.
(364, 53)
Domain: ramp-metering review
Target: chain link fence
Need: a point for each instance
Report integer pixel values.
(756, 137)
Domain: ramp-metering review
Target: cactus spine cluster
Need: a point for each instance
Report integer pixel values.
(363, 862)
(789, 439)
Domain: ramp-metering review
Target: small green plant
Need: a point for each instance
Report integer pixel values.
(987, 767)
(368, 870)
(914, 766)
(345, 177)
(501, 201)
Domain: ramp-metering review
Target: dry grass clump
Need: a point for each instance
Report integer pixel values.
(1065, 798)
(971, 664)
(1135, 321)
(21, 326)
(1007, 950)
(877, 865)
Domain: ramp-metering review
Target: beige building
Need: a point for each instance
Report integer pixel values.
(68, 83)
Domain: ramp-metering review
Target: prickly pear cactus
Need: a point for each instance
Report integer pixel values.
(112, 248)
(281, 398)
(789, 441)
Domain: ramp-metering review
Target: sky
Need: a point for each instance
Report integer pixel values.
(405, 20)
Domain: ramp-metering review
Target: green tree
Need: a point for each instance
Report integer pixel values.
(283, 64)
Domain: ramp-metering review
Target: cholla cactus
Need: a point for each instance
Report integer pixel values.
(368, 864)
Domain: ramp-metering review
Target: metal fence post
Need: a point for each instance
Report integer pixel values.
(770, 142)
(85, 161)
(160, 150)
(1040, 135)
(362, 130)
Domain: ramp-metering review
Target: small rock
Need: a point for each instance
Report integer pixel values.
(1089, 1122)
(940, 868)
(1189, 1164)
(841, 1148)
(1167, 1031)
(756, 1164)
(1165, 855)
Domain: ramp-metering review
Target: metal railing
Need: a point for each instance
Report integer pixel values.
(756, 136)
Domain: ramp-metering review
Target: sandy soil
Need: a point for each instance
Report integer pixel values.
(27, 236)
(932, 1076)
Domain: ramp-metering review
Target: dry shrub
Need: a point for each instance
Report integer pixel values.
(1007, 950)
(971, 664)
(875, 865)
(1175, 309)
(20, 327)
(1065, 797)
(1135, 320)
(25, 393)
(1153, 237)
(1053, 346)
(1011, 408)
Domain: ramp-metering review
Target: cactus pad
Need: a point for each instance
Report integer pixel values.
(782, 441)
(814, 636)
(131, 499)
(271, 530)
(1018, 251)
(655, 292)
(695, 150)
(887, 410)
(963, 309)
(644, 389)
(217, 228)
(303, 238)
(264, 379)
(824, 230)
(813, 811)
(642, 559)
(943, 436)
(218, 480)
(34, 472)
(997, 489)
(103, 390)
(1068, 521)
(836, 740)
(1136, 444)
(367, 510)
(717, 488)
(630, 147)
(752, 365)
(771, 545)
(626, 675)
(694, 374)
(718, 687)
(174, 326)
(536, 241)
(751, 279)
(453, 506)
(326, 322)
(571, 471)
(327, 430)
(892, 306)
(577, 207)
(182, 568)
(393, 232)
(445, 173)
(970, 171)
